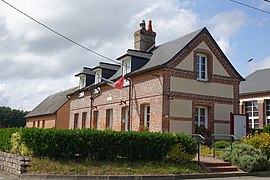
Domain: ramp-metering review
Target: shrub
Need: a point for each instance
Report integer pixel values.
(260, 141)
(255, 131)
(246, 157)
(17, 146)
(205, 133)
(178, 154)
(5, 138)
(266, 129)
(222, 144)
(100, 145)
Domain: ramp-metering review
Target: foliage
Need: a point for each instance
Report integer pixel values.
(260, 141)
(117, 167)
(246, 157)
(206, 133)
(107, 145)
(222, 144)
(144, 128)
(19, 147)
(5, 138)
(255, 131)
(178, 154)
(266, 129)
(12, 117)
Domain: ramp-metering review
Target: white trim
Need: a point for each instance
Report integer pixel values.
(205, 115)
(254, 99)
(145, 114)
(200, 67)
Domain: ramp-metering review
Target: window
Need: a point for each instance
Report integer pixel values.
(84, 116)
(146, 115)
(34, 123)
(126, 68)
(97, 76)
(76, 117)
(43, 124)
(95, 119)
(201, 117)
(82, 81)
(38, 124)
(109, 118)
(251, 108)
(201, 67)
(267, 112)
(125, 119)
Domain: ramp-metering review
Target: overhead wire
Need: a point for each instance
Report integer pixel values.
(252, 7)
(61, 35)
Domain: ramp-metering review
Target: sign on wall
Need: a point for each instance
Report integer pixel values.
(239, 125)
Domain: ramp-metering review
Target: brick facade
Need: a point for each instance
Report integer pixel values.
(154, 88)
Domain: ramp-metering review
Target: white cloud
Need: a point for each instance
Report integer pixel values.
(225, 26)
(265, 63)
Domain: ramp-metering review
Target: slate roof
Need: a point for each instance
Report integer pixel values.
(165, 53)
(109, 66)
(86, 70)
(51, 104)
(258, 81)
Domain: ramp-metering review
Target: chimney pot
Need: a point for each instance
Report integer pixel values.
(150, 26)
(142, 24)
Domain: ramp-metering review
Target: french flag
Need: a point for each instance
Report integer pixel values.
(117, 85)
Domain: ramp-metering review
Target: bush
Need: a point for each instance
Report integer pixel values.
(5, 138)
(266, 129)
(255, 131)
(178, 154)
(222, 144)
(260, 141)
(246, 157)
(101, 145)
(206, 133)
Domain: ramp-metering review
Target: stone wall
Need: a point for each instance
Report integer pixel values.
(13, 164)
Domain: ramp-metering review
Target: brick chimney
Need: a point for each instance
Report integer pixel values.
(144, 39)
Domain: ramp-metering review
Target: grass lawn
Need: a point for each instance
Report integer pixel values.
(119, 167)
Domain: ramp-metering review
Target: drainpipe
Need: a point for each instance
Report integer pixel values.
(91, 104)
(129, 106)
(91, 109)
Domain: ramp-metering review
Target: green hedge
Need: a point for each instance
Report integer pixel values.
(5, 136)
(102, 144)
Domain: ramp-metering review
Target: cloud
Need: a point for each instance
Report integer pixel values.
(225, 26)
(34, 62)
(253, 66)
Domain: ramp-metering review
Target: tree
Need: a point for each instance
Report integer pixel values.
(12, 117)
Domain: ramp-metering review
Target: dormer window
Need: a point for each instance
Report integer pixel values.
(82, 81)
(126, 68)
(201, 67)
(98, 76)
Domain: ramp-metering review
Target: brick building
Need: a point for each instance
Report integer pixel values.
(52, 112)
(172, 87)
(255, 98)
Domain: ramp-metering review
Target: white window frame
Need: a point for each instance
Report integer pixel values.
(147, 114)
(125, 118)
(82, 81)
(199, 64)
(111, 118)
(98, 75)
(252, 118)
(126, 68)
(199, 116)
(267, 118)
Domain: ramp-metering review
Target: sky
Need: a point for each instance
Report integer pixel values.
(34, 62)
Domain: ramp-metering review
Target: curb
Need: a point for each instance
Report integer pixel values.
(148, 177)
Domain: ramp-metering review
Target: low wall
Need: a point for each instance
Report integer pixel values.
(13, 164)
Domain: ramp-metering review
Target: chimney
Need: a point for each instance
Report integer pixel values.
(144, 39)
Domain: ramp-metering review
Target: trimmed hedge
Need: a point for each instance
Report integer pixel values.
(5, 138)
(102, 145)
